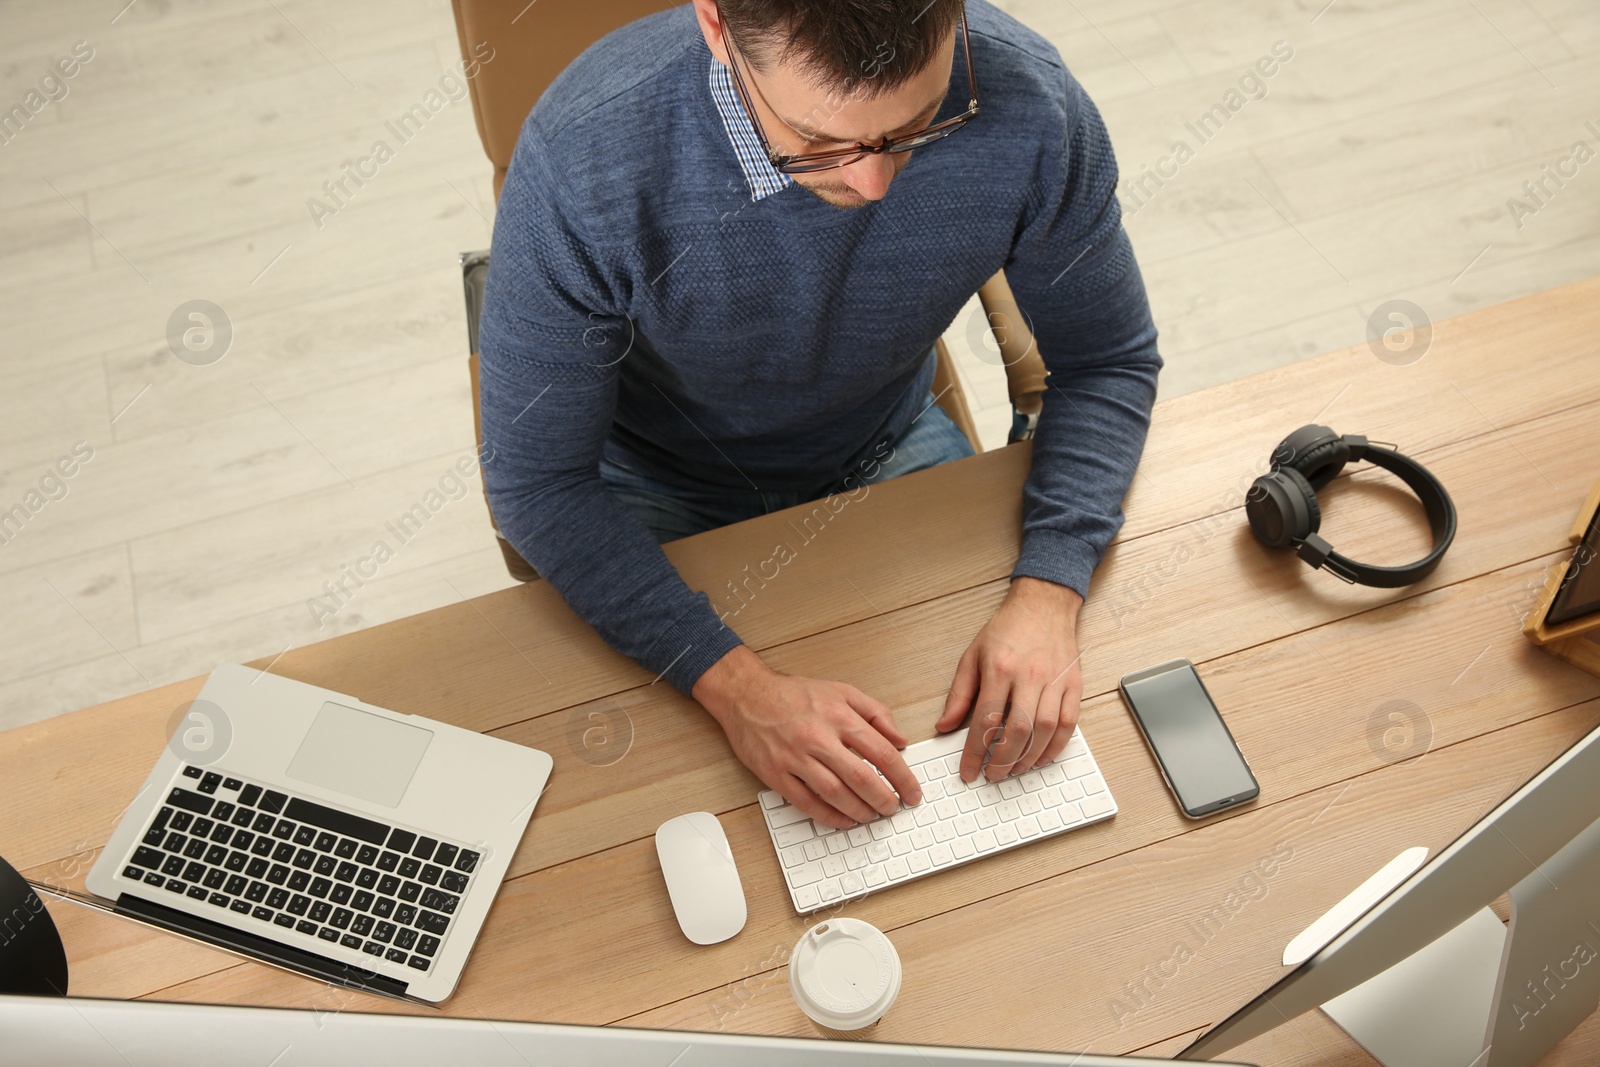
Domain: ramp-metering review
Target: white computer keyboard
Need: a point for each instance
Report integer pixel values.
(957, 822)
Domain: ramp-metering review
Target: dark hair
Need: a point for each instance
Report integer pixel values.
(868, 46)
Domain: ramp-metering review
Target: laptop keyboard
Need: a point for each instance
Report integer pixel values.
(295, 869)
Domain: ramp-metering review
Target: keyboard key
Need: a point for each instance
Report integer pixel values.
(283, 852)
(278, 874)
(264, 823)
(148, 857)
(341, 894)
(786, 816)
(405, 938)
(362, 925)
(1096, 804)
(454, 881)
(195, 848)
(838, 843)
(306, 926)
(1027, 827)
(383, 907)
(424, 848)
(1009, 788)
(984, 841)
(197, 892)
(326, 841)
(194, 871)
(320, 888)
(367, 878)
(175, 886)
(409, 867)
(135, 873)
(192, 772)
(919, 862)
(807, 898)
(215, 878)
(829, 890)
(401, 840)
(258, 868)
(243, 817)
(299, 904)
(405, 914)
(384, 932)
(428, 946)
(266, 915)
(216, 854)
(325, 865)
(851, 884)
(367, 855)
(346, 871)
(897, 868)
(154, 836)
(271, 800)
(1005, 834)
(432, 922)
(257, 892)
(419, 963)
(1049, 821)
(249, 795)
(319, 911)
(467, 861)
(793, 834)
(346, 848)
(305, 835)
(232, 784)
(874, 876)
(1053, 774)
(1078, 766)
(1092, 783)
(202, 827)
(328, 933)
(445, 855)
(283, 829)
(180, 821)
(240, 906)
(961, 848)
(209, 782)
(362, 901)
(388, 861)
(940, 855)
(1032, 782)
(341, 917)
(1029, 804)
(236, 885)
(283, 919)
(277, 898)
(430, 874)
(350, 941)
(237, 861)
(394, 955)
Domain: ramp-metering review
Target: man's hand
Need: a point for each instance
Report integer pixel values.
(810, 740)
(1024, 659)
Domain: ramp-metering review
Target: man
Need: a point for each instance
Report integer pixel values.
(679, 334)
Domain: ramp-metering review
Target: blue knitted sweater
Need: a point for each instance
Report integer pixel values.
(652, 299)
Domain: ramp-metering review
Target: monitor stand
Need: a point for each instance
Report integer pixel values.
(1485, 995)
(1432, 1008)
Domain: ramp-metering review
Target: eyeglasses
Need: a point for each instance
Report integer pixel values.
(807, 162)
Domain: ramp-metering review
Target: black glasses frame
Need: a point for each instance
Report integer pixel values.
(808, 162)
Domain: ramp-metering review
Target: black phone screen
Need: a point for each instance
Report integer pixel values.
(1579, 594)
(1198, 755)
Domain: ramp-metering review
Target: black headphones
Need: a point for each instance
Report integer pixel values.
(1283, 511)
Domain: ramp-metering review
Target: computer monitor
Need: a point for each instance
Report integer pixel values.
(80, 1032)
(1430, 975)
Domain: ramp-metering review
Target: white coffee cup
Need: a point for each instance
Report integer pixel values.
(844, 974)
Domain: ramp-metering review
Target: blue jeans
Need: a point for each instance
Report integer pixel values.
(672, 512)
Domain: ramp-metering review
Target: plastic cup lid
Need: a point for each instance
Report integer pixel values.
(844, 973)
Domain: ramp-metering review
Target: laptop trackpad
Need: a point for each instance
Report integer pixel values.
(360, 754)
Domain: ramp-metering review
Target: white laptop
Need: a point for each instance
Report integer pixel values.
(311, 831)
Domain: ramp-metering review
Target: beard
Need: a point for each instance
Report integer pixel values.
(837, 195)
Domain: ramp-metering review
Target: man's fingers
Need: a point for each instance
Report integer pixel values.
(838, 786)
(800, 795)
(1013, 740)
(988, 722)
(859, 777)
(962, 691)
(878, 714)
(872, 747)
(1047, 713)
(1070, 707)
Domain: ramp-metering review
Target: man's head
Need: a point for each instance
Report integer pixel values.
(823, 75)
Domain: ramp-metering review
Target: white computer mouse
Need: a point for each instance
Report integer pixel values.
(701, 878)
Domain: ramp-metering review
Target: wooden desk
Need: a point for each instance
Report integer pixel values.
(1066, 944)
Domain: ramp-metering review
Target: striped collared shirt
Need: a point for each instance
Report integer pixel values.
(764, 179)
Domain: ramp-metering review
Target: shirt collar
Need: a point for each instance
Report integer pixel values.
(763, 178)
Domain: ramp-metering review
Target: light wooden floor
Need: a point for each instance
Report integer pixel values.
(1380, 163)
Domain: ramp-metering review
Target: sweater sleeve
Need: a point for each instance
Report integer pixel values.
(1074, 275)
(552, 335)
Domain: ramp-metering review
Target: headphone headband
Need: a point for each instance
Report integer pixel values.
(1283, 510)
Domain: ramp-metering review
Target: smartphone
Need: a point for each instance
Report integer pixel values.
(1198, 757)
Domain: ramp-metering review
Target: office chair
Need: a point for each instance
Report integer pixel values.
(532, 44)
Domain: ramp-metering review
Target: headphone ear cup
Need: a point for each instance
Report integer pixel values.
(1315, 452)
(1282, 508)
(1308, 493)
